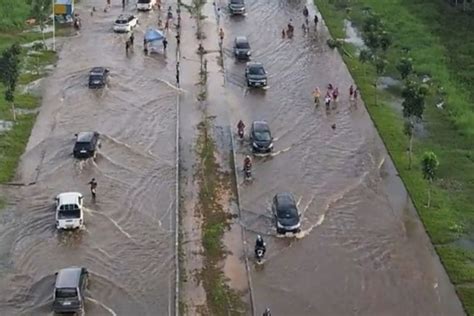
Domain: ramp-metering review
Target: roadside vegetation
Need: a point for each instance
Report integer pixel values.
(221, 299)
(20, 66)
(427, 122)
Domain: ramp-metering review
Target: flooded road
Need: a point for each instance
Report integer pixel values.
(362, 249)
(128, 240)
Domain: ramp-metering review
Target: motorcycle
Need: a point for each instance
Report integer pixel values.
(259, 253)
(248, 172)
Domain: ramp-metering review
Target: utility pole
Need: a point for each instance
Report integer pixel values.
(54, 27)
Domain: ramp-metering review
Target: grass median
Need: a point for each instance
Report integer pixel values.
(436, 36)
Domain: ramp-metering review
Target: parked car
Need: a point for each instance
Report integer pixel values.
(285, 211)
(86, 145)
(145, 5)
(69, 290)
(261, 137)
(69, 213)
(237, 7)
(255, 75)
(125, 23)
(98, 77)
(242, 48)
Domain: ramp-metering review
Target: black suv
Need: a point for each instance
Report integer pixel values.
(286, 213)
(242, 48)
(255, 74)
(69, 290)
(261, 137)
(98, 77)
(237, 7)
(86, 145)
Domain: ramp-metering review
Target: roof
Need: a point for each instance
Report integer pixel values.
(69, 198)
(68, 277)
(85, 136)
(241, 39)
(97, 70)
(254, 65)
(124, 16)
(64, 1)
(285, 199)
(260, 125)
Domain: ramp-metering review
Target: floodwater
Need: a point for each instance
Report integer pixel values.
(362, 249)
(128, 240)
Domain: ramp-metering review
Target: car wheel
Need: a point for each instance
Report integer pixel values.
(280, 231)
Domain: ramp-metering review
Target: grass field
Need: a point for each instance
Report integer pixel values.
(437, 37)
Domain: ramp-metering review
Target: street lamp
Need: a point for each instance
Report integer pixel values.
(54, 27)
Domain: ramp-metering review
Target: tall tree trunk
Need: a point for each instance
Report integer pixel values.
(13, 111)
(410, 151)
(429, 194)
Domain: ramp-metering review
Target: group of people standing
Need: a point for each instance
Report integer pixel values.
(289, 31)
(332, 94)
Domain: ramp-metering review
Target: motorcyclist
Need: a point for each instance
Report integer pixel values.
(260, 244)
(240, 126)
(93, 186)
(247, 163)
(305, 12)
(267, 312)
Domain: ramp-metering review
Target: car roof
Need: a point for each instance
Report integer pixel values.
(68, 277)
(254, 65)
(69, 198)
(236, 1)
(85, 136)
(97, 70)
(124, 16)
(260, 125)
(285, 199)
(241, 39)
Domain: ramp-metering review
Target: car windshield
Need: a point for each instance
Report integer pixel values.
(144, 1)
(259, 71)
(121, 21)
(69, 211)
(95, 77)
(66, 293)
(243, 45)
(236, 1)
(81, 145)
(262, 135)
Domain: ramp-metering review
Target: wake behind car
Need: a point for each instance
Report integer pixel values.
(98, 77)
(261, 137)
(69, 290)
(69, 213)
(242, 48)
(237, 7)
(286, 213)
(86, 145)
(255, 75)
(125, 23)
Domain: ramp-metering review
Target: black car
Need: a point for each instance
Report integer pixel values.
(69, 290)
(237, 7)
(286, 213)
(255, 74)
(98, 77)
(261, 137)
(86, 145)
(241, 48)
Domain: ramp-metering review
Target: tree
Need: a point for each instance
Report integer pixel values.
(408, 131)
(414, 95)
(429, 166)
(10, 65)
(41, 10)
(405, 67)
(365, 56)
(380, 65)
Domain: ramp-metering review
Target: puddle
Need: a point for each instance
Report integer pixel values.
(5, 126)
(353, 35)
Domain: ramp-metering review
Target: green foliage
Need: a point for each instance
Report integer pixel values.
(13, 14)
(429, 165)
(365, 56)
(414, 99)
(408, 128)
(381, 65)
(10, 65)
(405, 67)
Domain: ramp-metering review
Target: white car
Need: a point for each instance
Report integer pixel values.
(145, 5)
(69, 213)
(125, 23)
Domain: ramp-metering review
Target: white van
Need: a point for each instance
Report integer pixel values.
(145, 5)
(69, 213)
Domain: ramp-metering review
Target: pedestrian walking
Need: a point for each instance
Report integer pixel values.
(327, 101)
(165, 43)
(351, 92)
(131, 39)
(167, 25)
(283, 33)
(127, 46)
(178, 39)
(316, 20)
(335, 94)
(108, 3)
(316, 96)
(356, 92)
(93, 187)
(221, 35)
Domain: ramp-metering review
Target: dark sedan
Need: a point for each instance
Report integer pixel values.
(86, 145)
(286, 213)
(98, 77)
(242, 48)
(261, 137)
(255, 74)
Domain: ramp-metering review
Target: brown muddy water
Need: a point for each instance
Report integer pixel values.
(128, 242)
(362, 249)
